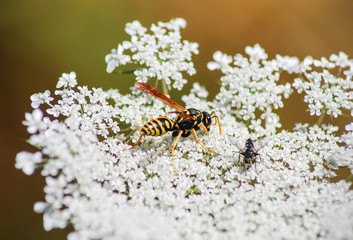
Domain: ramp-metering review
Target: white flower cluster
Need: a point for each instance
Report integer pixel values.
(325, 92)
(108, 193)
(251, 84)
(346, 154)
(161, 55)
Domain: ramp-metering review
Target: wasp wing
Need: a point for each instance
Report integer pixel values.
(157, 94)
(166, 100)
(184, 115)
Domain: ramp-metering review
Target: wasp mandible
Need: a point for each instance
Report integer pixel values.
(249, 154)
(187, 121)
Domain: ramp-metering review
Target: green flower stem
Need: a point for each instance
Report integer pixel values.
(128, 71)
(165, 88)
(322, 116)
(125, 71)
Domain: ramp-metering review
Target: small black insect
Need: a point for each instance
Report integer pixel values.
(249, 154)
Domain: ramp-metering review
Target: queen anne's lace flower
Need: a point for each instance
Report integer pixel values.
(327, 92)
(161, 54)
(67, 80)
(104, 192)
(116, 58)
(252, 84)
(40, 98)
(28, 161)
(34, 121)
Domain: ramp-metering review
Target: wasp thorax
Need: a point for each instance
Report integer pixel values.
(188, 124)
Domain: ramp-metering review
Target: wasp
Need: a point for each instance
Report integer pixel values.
(249, 154)
(187, 122)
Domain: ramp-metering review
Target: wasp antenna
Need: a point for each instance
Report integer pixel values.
(216, 121)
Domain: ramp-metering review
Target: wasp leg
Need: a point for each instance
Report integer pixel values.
(204, 128)
(197, 140)
(173, 146)
(135, 144)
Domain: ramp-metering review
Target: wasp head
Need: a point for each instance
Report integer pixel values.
(206, 120)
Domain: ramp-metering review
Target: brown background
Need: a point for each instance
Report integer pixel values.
(41, 39)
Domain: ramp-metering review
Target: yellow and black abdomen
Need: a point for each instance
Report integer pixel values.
(157, 127)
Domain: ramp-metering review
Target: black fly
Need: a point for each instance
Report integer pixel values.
(249, 154)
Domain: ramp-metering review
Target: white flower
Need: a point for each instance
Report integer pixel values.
(349, 127)
(40, 98)
(116, 58)
(27, 161)
(34, 121)
(135, 28)
(95, 185)
(340, 60)
(174, 24)
(250, 86)
(200, 92)
(40, 207)
(161, 54)
(142, 75)
(256, 53)
(222, 62)
(305, 65)
(324, 63)
(325, 91)
(342, 214)
(67, 80)
(289, 64)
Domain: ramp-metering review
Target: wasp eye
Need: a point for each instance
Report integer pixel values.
(206, 118)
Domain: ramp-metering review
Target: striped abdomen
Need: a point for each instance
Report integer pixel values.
(157, 126)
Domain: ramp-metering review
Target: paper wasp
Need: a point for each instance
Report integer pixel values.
(249, 154)
(187, 121)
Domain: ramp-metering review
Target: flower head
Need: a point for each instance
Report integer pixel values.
(161, 54)
(251, 84)
(326, 92)
(106, 192)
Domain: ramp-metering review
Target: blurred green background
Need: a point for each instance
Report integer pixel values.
(41, 39)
